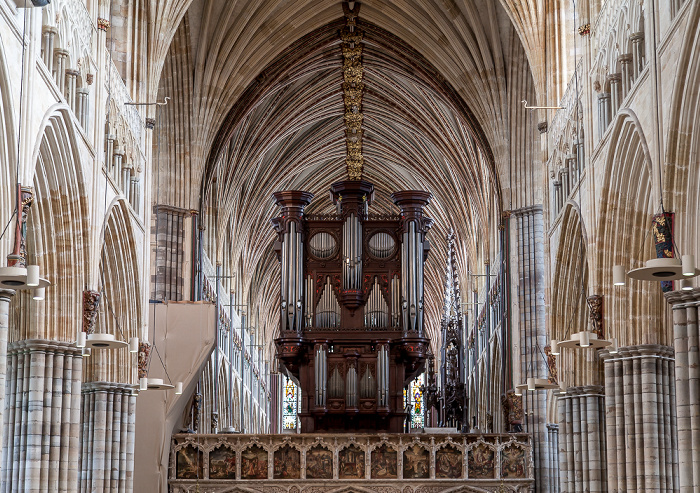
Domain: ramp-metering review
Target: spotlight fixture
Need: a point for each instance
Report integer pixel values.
(618, 275)
(584, 339)
(104, 341)
(178, 388)
(686, 285)
(613, 349)
(82, 339)
(87, 352)
(38, 294)
(688, 264)
(134, 345)
(555, 347)
(143, 383)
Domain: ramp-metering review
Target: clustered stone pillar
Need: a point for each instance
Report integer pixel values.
(553, 431)
(108, 437)
(117, 169)
(82, 107)
(41, 450)
(641, 419)
(637, 54)
(603, 112)
(626, 77)
(582, 454)
(48, 46)
(59, 69)
(574, 171)
(71, 89)
(557, 197)
(5, 298)
(615, 93)
(687, 368)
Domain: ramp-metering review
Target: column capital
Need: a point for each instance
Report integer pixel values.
(625, 58)
(49, 30)
(61, 52)
(7, 294)
(637, 37)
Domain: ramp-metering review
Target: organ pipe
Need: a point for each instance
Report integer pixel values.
(328, 308)
(395, 301)
(351, 388)
(352, 253)
(383, 375)
(321, 375)
(376, 310)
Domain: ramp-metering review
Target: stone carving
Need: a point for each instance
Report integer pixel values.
(91, 303)
(18, 258)
(551, 364)
(595, 308)
(397, 460)
(144, 356)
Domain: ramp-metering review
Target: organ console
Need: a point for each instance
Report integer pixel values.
(351, 306)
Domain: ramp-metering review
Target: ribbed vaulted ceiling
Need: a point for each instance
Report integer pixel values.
(256, 128)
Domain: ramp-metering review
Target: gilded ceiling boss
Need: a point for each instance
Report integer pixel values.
(353, 87)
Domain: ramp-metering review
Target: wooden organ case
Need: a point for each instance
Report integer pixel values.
(351, 307)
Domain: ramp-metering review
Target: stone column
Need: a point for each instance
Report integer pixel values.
(565, 183)
(582, 439)
(41, 448)
(47, 48)
(626, 77)
(125, 181)
(553, 431)
(603, 112)
(109, 153)
(528, 260)
(637, 54)
(71, 88)
(5, 298)
(557, 198)
(83, 107)
(108, 437)
(687, 378)
(574, 172)
(133, 191)
(579, 151)
(59, 71)
(615, 93)
(641, 419)
(117, 168)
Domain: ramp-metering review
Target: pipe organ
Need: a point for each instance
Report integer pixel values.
(351, 306)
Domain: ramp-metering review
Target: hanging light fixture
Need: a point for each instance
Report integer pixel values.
(104, 341)
(87, 352)
(143, 383)
(534, 384)
(38, 294)
(82, 339)
(134, 345)
(178, 388)
(584, 339)
(686, 285)
(618, 275)
(158, 384)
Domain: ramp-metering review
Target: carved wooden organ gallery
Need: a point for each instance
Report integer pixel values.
(351, 307)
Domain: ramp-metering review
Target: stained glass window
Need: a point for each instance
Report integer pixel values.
(290, 404)
(414, 398)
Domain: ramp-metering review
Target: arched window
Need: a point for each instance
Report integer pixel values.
(290, 403)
